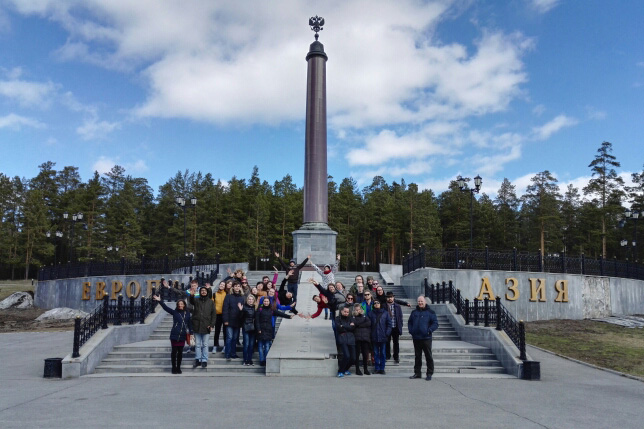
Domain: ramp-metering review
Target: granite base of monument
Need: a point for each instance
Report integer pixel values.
(317, 240)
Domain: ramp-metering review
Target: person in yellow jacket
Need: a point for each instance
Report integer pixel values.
(218, 298)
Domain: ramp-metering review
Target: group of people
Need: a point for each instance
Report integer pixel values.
(234, 308)
(366, 321)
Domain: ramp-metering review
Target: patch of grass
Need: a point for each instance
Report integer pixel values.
(7, 287)
(602, 344)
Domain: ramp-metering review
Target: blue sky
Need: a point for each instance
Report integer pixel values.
(420, 90)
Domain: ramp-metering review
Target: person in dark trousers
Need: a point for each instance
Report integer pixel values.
(346, 341)
(392, 306)
(231, 313)
(380, 330)
(264, 316)
(293, 278)
(181, 325)
(248, 328)
(422, 322)
(363, 337)
(204, 317)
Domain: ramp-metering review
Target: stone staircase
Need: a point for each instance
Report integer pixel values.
(153, 357)
(452, 357)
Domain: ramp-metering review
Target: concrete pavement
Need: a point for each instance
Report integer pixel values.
(570, 395)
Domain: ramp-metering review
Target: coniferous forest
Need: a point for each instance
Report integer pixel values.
(249, 219)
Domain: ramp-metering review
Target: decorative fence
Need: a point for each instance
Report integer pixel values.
(187, 265)
(519, 261)
(480, 311)
(115, 312)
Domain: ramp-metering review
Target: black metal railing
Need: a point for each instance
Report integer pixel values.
(486, 312)
(514, 260)
(187, 265)
(116, 312)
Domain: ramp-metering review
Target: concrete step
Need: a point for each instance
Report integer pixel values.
(185, 367)
(159, 361)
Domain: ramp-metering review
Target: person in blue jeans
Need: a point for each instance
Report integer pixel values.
(248, 329)
(264, 319)
(380, 331)
(204, 315)
(231, 313)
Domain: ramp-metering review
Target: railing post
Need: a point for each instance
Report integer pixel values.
(451, 292)
(131, 315)
(423, 258)
(153, 306)
(499, 320)
(122, 265)
(467, 311)
(476, 312)
(615, 266)
(486, 312)
(601, 265)
(426, 288)
(628, 274)
(106, 304)
(76, 346)
(514, 259)
(443, 288)
(143, 310)
(119, 310)
(487, 258)
(458, 301)
(522, 341)
(89, 269)
(583, 264)
(432, 293)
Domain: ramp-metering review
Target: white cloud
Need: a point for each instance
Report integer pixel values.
(539, 109)
(543, 6)
(595, 114)
(27, 94)
(94, 129)
(16, 122)
(548, 129)
(104, 164)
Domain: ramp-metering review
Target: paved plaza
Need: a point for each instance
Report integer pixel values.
(570, 395)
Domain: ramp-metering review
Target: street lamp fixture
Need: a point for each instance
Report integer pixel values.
(630, 214)
(76, 217)
(462, 185)
(181, 202)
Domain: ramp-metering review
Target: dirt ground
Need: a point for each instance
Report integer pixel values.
(24, 320)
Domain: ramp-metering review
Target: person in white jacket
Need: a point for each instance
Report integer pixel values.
(328, 273)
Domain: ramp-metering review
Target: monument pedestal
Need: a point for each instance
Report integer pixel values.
(315, 239)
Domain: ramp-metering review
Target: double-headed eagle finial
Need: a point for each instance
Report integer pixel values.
(316, 23)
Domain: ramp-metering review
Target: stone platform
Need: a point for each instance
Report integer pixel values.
(304, 347)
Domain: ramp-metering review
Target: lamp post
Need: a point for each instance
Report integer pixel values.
(264, 261)
(364, 264)
(76, 217)
(462, 185)
(632, 215)
(181, 202)
(115, 248)
(59, 235)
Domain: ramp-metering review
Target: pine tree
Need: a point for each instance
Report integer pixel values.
(541, 210)
(606, 188)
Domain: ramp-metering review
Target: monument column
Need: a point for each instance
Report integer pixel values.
(315, 237)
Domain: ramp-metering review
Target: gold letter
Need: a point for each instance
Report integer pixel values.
(100, 290)
(87, 286)
(137, 289)
(513, 288)
(116, 288)
(541, 290)
(561, 286)
(486, 289)
(151, 283)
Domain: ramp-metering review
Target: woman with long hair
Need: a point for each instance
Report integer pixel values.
(264, 326)
(181, 325)
(248, 328)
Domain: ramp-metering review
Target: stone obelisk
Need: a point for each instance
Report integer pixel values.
(315, 237)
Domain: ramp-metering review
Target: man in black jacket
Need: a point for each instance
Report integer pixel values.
(422, 322)
(395, 313)
(203, 320)
(292, 278)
